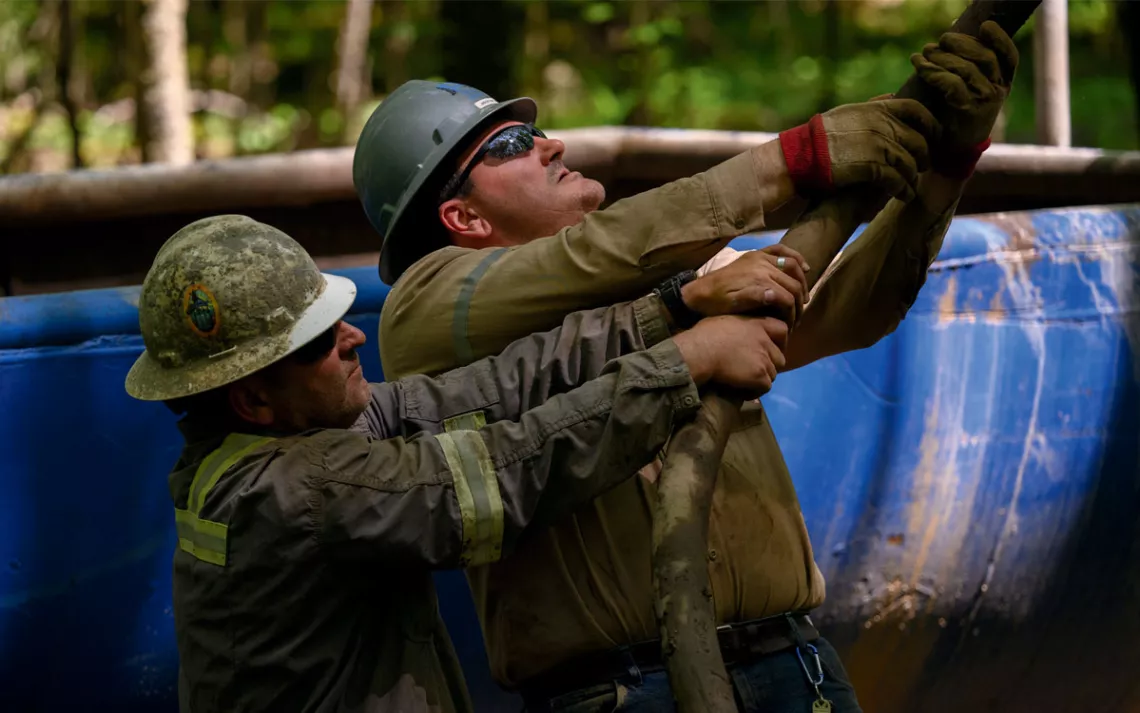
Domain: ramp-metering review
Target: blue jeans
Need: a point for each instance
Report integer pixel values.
(775, 683)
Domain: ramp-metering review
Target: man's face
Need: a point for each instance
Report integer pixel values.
(319, 386)
(528, 195)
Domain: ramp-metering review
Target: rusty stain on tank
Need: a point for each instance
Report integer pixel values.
(996, 313)
(947, 303)
(1019, 228)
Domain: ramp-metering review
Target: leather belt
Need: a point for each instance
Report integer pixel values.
(738, 643)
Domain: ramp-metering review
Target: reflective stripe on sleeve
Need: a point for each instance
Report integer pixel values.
(477, 490)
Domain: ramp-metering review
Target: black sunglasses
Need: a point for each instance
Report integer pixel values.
(508, 143)
(318, 348)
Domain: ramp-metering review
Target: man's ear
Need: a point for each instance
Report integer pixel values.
(461, 219)
(248, 401)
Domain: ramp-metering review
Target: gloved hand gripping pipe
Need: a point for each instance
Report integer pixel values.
(683, 595)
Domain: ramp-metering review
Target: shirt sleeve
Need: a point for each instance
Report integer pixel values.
(463, 496)
(528, 372)
(868, 289)
(457, 305)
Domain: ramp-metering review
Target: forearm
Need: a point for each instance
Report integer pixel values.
(867, 290)
(456, 306)
(532, 369)
(776, 187)
(464, 497)
(647, 394)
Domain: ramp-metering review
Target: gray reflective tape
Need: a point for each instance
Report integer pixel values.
(460, 339)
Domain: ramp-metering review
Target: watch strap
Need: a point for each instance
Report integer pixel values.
(670, 293)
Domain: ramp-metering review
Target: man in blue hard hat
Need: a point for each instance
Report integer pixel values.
(486, 236)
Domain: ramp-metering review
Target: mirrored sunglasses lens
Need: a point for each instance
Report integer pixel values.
(512, 142)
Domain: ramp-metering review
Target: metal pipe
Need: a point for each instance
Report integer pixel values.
(1051, 74)
(320, 176)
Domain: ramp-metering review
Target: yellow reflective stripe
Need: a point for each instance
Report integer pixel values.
(480, 474)
(201, 538)
(206, 466)
(467, 514)
(233, 448)
(465, 422)
(477, 490)
(204, 539)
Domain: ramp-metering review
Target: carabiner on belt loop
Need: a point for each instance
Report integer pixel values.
(632, 670)
(813, 680)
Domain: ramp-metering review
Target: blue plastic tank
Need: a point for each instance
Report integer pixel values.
(971, 484)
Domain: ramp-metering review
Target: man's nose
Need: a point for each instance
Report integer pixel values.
(350, 337)
(549, 150)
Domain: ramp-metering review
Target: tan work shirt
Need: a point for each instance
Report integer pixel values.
(302, 581)
(585, 584)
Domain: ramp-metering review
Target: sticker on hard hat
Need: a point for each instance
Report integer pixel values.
(486, 101)
(201, 310)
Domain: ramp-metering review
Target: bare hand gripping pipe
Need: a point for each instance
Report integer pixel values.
(684, 606)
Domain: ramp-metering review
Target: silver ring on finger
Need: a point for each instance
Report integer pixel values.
(781, 261)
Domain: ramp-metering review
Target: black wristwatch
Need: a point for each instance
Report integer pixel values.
(670, 293)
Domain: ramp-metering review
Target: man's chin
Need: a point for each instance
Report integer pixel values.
(593, 194)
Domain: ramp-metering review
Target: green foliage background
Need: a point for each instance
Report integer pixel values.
(262, 72)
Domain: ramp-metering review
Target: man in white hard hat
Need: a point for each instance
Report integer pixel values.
(312, 506)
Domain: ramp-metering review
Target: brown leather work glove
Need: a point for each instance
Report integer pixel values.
(969, 79)
(880, 143)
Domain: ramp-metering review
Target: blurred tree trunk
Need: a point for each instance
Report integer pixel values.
(133, 59)
(536, 48)
(235, 28)
(12, 162)
(70, 36)
(163, 88)
(1128, 14)
(399, 37)
(352, 75)
(44, 32)
(475, 49)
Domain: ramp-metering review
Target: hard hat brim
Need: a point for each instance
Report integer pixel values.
(521, 109)
(148, 380)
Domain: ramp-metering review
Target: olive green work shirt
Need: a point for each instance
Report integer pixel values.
(302, 580)
(585, 585)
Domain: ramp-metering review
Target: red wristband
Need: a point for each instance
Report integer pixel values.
(809, 163)
(958, 163)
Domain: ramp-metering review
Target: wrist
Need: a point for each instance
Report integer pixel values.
(775, 182)
(671, 294)
(807, 157)
(938, 193)
(957, 162)
(693, 296)
(695, 356)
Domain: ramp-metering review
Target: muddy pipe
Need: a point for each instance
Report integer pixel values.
(684, 606)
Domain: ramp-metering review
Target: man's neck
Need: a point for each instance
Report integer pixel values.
(495, 240)
(199, 427)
